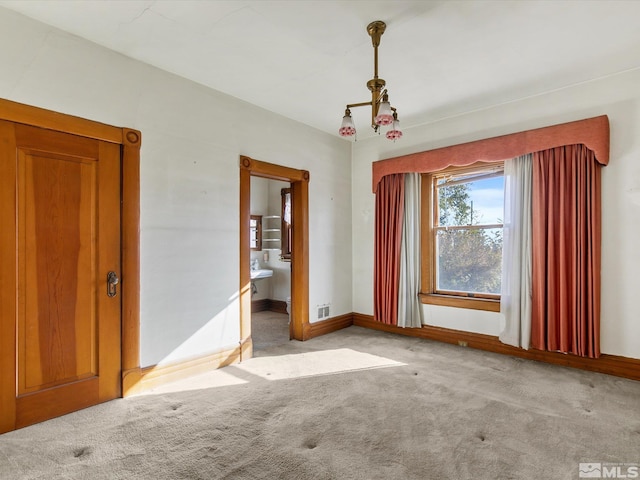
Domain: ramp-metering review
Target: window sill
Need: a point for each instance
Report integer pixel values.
(460, 302)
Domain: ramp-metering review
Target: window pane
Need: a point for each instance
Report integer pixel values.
(476, 202)
(469, 260)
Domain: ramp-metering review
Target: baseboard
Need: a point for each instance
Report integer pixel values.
(138, 380)
(266, 304)
(278, 306)
(260, 305)
(330, 325)
(609, 364)
(130, 381)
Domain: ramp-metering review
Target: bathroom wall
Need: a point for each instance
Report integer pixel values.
(281, 280)
(260, 206)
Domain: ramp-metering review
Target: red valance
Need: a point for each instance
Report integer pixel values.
(591, 132)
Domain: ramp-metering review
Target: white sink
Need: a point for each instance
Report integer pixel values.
(261, 273)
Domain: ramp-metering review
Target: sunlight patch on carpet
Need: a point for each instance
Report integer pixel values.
(213, 379)
(310, 364)
(279, 367)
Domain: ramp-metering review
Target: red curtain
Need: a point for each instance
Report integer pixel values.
(566, 251)
(388, 238)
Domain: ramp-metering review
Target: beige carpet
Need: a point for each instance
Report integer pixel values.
(355, 404)
(269, 329)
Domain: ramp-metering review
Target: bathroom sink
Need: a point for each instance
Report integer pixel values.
(261, 273)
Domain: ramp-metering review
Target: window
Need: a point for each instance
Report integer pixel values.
(462, 239)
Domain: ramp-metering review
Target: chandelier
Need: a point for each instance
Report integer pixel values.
(382, 113)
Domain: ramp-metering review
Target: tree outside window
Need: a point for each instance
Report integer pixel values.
(464, 251)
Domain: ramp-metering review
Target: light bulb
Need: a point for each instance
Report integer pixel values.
(395, 133)
(385, 115)
(347, 129)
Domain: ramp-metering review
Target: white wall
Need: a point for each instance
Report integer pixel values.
(191, 141)
(618, 97)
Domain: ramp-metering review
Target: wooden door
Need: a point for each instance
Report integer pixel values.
(59, 328)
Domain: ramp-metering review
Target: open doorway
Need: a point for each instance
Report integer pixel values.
(298, 181)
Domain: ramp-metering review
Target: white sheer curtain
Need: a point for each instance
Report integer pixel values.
(409, 307)
(515, 298)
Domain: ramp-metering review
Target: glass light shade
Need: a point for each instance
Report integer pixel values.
(347, 129)
(385, 115)
(395, 133)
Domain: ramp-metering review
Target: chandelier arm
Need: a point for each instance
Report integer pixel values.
(381, 96)
(363, 104)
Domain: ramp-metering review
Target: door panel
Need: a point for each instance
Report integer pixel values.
(67, 224)
(57, 318)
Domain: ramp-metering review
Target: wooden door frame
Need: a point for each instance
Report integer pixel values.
(130, 143)
(299, 180)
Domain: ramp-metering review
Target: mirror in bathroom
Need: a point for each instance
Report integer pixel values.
(255, 232)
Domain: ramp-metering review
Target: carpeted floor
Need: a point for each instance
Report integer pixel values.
(355, 404)
(269, 329)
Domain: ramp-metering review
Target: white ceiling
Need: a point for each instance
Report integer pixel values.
(307, 59)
